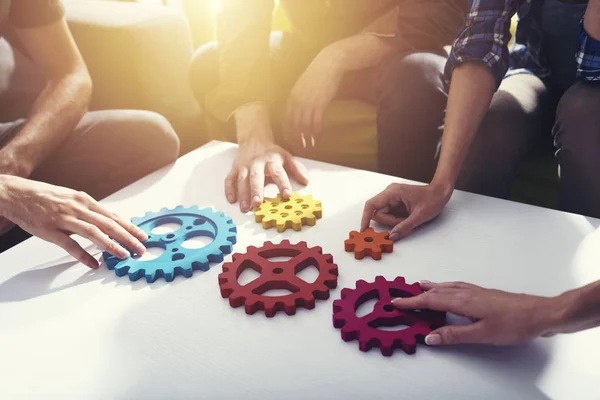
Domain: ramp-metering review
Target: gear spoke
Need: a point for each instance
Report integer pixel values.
(364, 329)
(278, 275)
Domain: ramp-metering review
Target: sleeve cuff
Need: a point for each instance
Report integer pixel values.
(587, 56)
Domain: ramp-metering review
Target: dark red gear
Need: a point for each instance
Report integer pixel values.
(278, 275)
(364, 329)
(369, 243)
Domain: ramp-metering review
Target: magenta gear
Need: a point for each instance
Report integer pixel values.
(365, 328)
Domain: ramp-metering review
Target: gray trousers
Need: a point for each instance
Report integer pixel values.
(107, 151)
(523, 111)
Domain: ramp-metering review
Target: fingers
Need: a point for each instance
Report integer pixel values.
(231, 185)
(74, 249)
(296, 169)
(279, 176)
(385, 217)
(257, 183)
(457, 334)
(371, 206)
(404, 228)
(426, 285)
(243, 188)
(317, 122)
(124, 228)
(446, 300)
(95, 235)
(111, 228)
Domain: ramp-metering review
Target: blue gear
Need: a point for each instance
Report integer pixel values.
(177, 260)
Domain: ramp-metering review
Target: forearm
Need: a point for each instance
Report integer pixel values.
(578, 309)
(57, 110)
(592, 19)
(471, 92)
(360, 51)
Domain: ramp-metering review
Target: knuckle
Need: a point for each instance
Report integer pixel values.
(81, 197)
(90, 230)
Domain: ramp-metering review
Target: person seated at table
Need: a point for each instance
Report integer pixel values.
(492, 120)
(502, 318)
(333, 50)
(59, 160)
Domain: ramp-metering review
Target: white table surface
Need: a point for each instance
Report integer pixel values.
(67, 332)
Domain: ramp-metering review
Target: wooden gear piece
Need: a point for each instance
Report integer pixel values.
(369, 243)
(292, 213)
(384, 314)
(278, 275)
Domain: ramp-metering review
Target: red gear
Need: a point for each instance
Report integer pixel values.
(369, 243)
(278, 275)
(364, 329)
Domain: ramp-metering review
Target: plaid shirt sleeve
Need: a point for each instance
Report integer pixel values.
(587, 57)
(484, 37)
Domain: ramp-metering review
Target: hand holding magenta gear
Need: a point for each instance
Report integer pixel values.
(384, 314)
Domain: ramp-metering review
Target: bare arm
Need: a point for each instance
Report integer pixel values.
(61, 104)
(592, 19)
(470, 95)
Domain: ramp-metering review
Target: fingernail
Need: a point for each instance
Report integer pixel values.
(92, 264)
(287, 192)
(143, 236)
(425, 282)
(433, 340)
(230, 198)
(123, 253)
(312, 141)
(394, 300)
(256, 200)
(244, 205)
(394, 237)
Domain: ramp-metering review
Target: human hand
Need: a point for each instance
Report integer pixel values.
(256, 161)
(53, 213)
(405, 207)
(312, 94)
(499, 318)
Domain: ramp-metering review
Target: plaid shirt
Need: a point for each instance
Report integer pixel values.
(486, 34)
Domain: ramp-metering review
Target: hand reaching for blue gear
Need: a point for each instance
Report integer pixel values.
(177, 260)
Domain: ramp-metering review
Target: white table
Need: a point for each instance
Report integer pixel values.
(70, 333)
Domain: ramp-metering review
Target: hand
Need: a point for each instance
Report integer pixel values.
(499, 318)
(254, 162)
(312, 94)
(54, 213)
(5, 226)
(14, 164)
(405, 207)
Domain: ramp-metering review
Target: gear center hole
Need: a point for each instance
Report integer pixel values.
(388, 308)
(278, 270)
(369, 239)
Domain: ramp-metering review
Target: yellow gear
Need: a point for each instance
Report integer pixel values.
(292, 213)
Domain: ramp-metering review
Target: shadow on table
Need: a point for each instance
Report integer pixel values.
(37, 281)
(519, 367)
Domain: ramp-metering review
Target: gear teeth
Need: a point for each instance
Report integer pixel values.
(399, 281)
(303, 296)
(357, 328)
(361, 283)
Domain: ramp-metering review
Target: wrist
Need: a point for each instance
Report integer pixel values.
(334, 59)
(443, 185)
(562, 312)
(253, 124)
(16, 163)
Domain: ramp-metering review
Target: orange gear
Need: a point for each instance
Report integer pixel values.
(292, 213)
(369, 243)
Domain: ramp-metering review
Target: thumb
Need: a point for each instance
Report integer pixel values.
(456, 334)
(404, 228)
